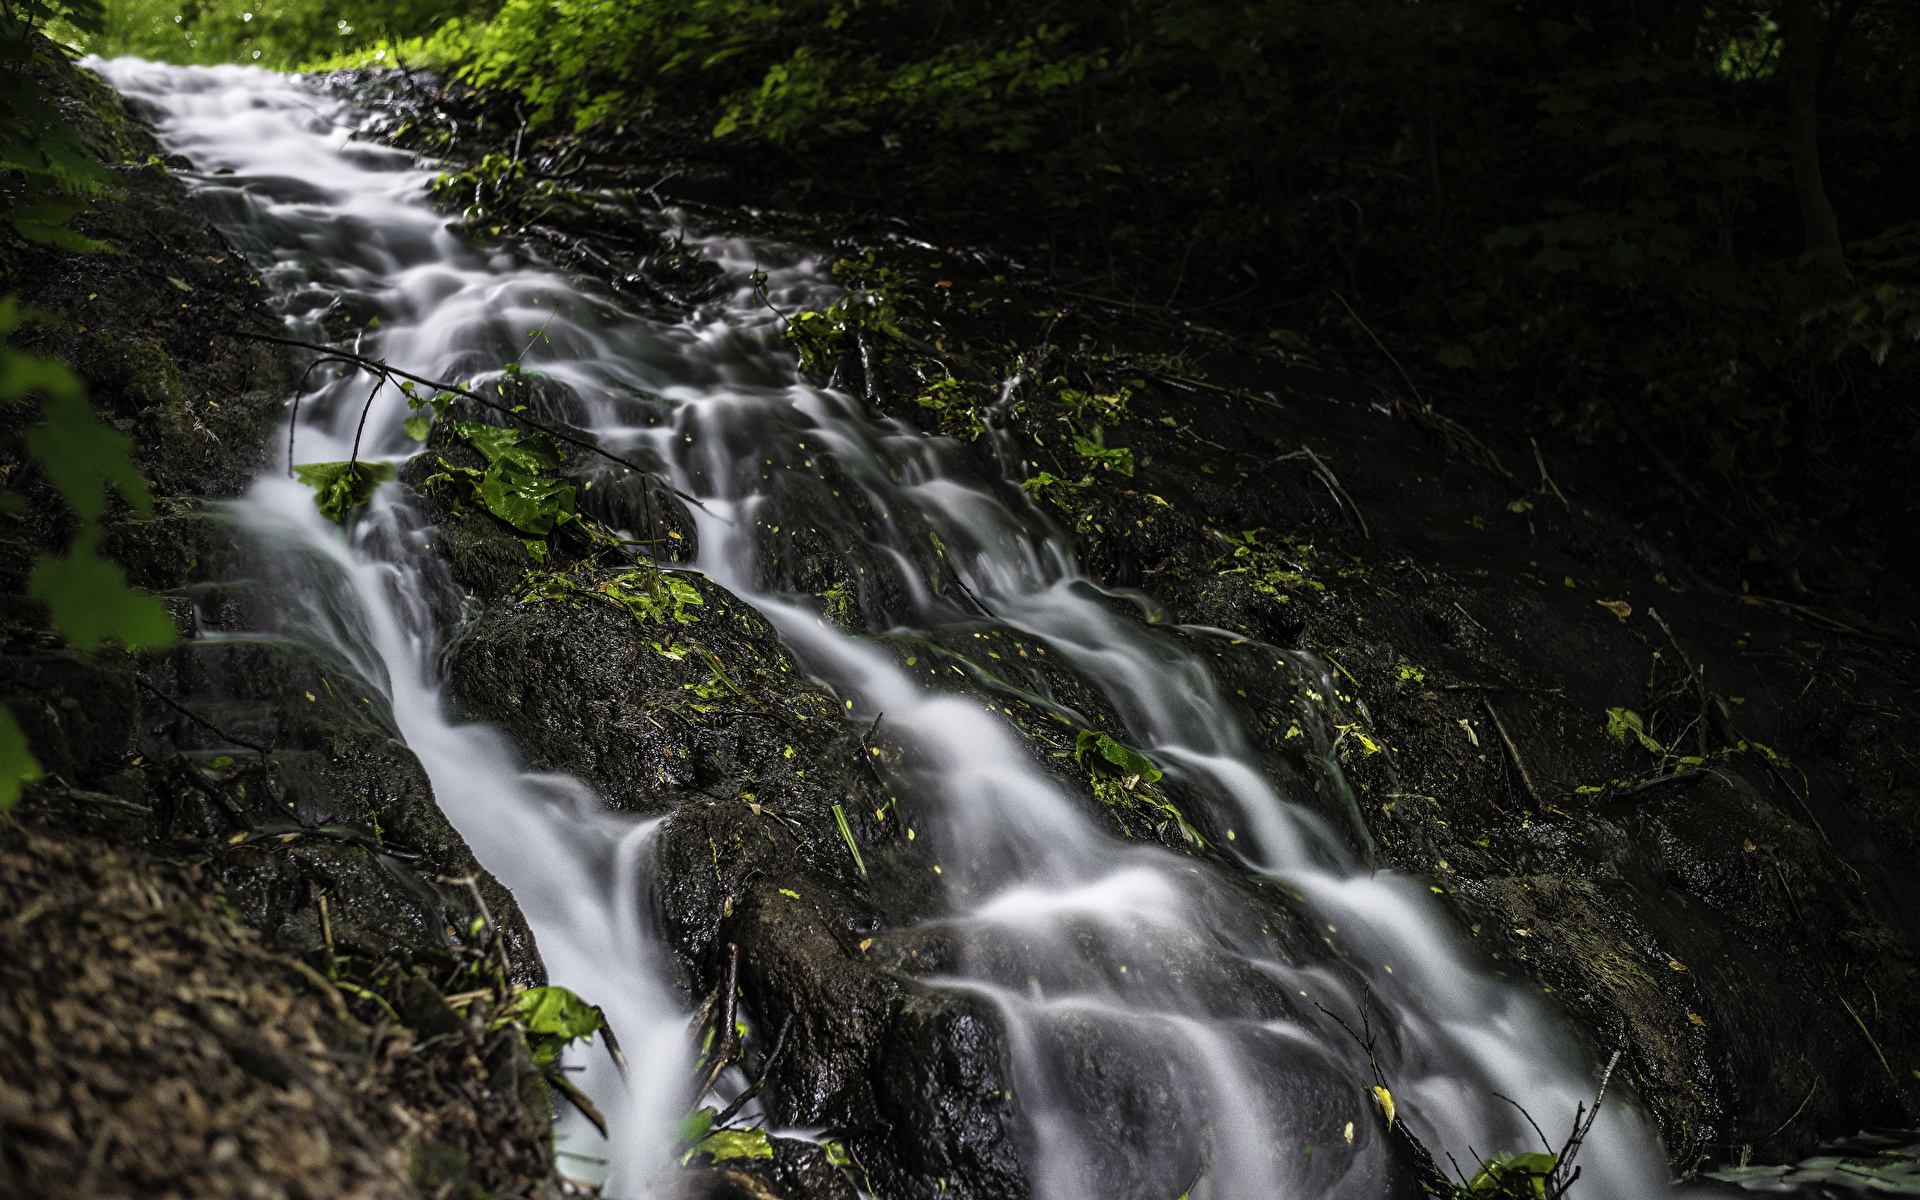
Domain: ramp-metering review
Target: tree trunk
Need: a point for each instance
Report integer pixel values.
(1803, 144)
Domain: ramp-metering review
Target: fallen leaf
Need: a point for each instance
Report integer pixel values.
(865, 943)
(1748, 846)
(182, 284)
(1675, 964)
(1697, 1019)
(1619, 608)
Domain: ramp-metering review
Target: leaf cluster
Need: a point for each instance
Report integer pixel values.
(647, 595)
(86, 595)
(47, 177)
(512, 487)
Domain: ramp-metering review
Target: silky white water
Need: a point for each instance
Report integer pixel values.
(320, 217)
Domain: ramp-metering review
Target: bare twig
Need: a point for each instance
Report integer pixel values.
(499, 939)
(728, 1043)
(1661, 781)
(1513, 751)
(1695, 676)
(362, 427)
(1417, 398)
(1366, 1023)
(1469, 616)
(866, 755)
(739, 1102)
(1497, 687)
(1546, 481)
(196, 718)
(1325, 472)
(1564, 1171)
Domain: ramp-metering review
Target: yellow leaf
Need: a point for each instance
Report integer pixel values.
(1619, 608)
(1675, 964)
(1384, 1099)
(1697, 1019)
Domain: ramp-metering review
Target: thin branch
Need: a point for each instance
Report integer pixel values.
(739, 1102)
(1383, 349)
(728, 1044)
(362, 427)
(196, 718)
(1546, 481)
(499, 939)
(1513, 751)
(380, 367)
(1326, 473)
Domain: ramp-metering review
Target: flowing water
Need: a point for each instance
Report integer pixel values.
(321, 216)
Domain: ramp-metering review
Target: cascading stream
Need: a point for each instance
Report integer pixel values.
(1030, 879)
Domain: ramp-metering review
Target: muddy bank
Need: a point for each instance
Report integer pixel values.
(233, 905)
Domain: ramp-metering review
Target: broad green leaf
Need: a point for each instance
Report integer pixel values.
(1513, 1176)
(554, 1019)
(1112, 758)
(340, 487)
(81, 455)
(736, 1143)
(696, 1125)
(529, 452)
(90, 601)
(527, 502)
(17, 764)
(1114, 458)
(417, 427)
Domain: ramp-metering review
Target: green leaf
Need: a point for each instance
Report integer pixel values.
(554, 1019)
(1112, 758)
(81, 456)
(1513, 1176)
(529, 452)
(695, 1126)
(527, 502)
(1621, 722)
(736, 1143)
(846, 835)
(1114, 458)
(17, 763)
(340, 487)
(90, 601)
(417, 427)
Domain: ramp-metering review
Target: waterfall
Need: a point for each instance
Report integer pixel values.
(1032, 880)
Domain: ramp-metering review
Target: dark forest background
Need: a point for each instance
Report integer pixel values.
(1674, 242)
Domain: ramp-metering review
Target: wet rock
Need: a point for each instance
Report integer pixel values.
(649, 712)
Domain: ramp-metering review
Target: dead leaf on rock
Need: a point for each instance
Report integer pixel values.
(1619, 608)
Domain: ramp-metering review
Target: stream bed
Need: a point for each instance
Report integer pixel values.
(1150, 1029)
